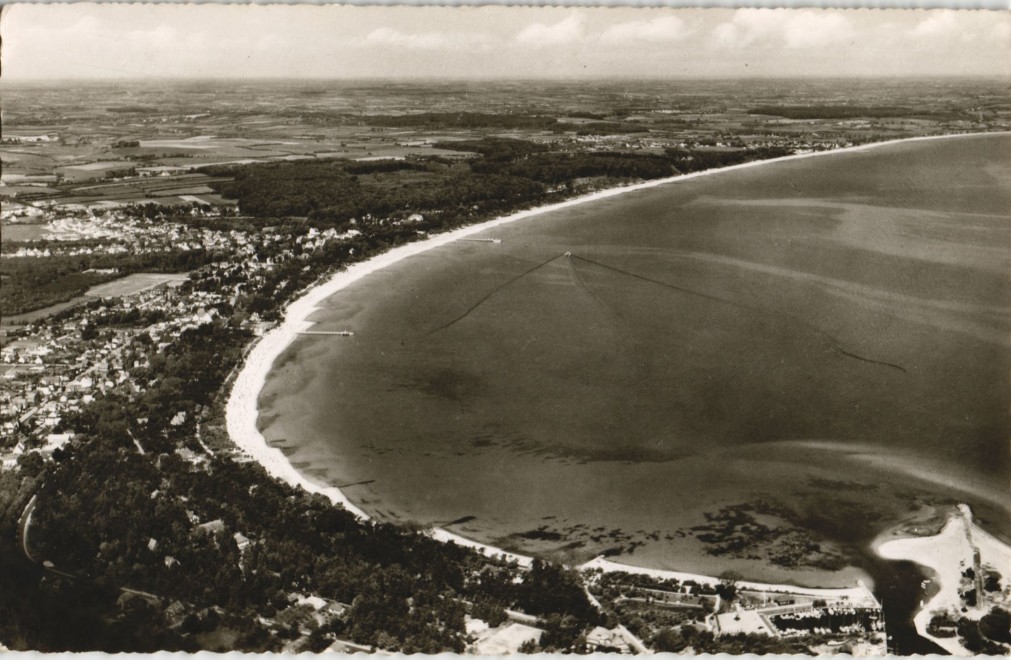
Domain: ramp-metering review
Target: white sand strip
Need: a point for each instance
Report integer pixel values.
(440, 534)
(948, 553)
(945, 554)
(857, 594)
(241, 412)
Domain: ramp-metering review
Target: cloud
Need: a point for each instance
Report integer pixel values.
(271, 43)
(727, 35)
(393, 38)
(390, 37)
(661, 29)
(794, 29)
(87, 25)
(162, 36)
(566, 31)
(1001, 32)
(157, 39)
(942, 23)
(746, 27)
(813, 29)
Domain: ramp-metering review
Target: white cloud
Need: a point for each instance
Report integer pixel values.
(747, 26)
(1001, 31)
(270, 43)
(810, 29)
(939, 24)
(79, 40)
(87, 25)
(566, 31)
(390, 37)
(775, 27)
(162, 36)
(660, 29)
(393, 38)
(727, 35)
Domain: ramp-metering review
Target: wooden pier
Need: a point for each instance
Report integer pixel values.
(336, 333)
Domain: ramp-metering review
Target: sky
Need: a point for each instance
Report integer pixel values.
(87, 41)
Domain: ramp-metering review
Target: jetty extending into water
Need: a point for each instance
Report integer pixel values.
(338, 333)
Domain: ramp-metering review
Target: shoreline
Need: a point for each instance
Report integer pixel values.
(242, 411)
(858, 593)
(945, 554)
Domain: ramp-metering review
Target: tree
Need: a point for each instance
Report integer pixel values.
(31, 464)
(528, 647)
(972, 638)
(996, 625)
(669, 640)
(727, 588)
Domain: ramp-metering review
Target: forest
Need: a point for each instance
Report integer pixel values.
(37, 282)
(850, 112)
(507, 174)
(461, 120)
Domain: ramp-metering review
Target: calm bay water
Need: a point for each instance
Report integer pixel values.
(814, 348)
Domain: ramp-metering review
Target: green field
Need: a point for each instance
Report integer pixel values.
(134, 284)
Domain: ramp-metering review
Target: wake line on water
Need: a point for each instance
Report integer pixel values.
(491, 293)
(668, 285)
(836, 344)
(863, 359)
(613, 315)
(726, 301)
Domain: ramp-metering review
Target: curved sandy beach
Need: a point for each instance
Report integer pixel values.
(242, 407)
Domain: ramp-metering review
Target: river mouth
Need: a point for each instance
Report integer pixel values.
(748, 372)
(898, 587)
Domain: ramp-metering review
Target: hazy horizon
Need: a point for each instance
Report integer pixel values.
(503, 80)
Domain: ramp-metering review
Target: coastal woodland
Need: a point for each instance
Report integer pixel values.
(507, 174)
(150, 531)
(155, 535)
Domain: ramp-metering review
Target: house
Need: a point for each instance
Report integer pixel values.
(56, 441)
(133, 599)
(190, 456)
(602, 639)
(475, 626)
(175, 614)
(212, 527)
(506, 639)
(241, 541)
(336, 608)
(344, 646)
(315, 602)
